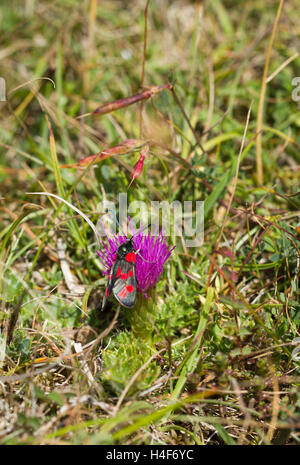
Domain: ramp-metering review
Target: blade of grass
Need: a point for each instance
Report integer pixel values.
(224, 435)
(188, 364)
(57, 174)
(259, 162)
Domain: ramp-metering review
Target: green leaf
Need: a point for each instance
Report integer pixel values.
(224, 435)
(216, 193)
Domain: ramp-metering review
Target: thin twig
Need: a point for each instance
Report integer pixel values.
(74, 208)
(282, 66)
(197, 137)
(134, 378)
(275, 405)
(259, 164)
(232, 193)
(143, 64)
(65, 268)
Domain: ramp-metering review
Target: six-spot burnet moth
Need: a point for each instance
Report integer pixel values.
(122, 280)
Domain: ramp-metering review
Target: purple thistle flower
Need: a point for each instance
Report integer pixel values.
(152, 248)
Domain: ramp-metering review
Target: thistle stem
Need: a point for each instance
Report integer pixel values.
(141, 318)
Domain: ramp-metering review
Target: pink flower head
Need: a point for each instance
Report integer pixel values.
(150, 247)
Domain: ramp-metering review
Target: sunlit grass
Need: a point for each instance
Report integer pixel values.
(219, 366)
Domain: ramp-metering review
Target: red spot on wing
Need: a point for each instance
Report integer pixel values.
(129, 288)
(123, 293)
(119, 272)
(130, 257)
(130, 273)
(124, 276)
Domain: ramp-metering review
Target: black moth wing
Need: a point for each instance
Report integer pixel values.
(110, 283)
(107, 292)
(124, 288)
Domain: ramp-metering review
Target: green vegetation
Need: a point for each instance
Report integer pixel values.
(219, 364)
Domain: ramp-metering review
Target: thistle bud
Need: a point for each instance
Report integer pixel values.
(138, 167)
